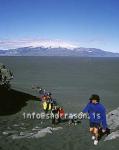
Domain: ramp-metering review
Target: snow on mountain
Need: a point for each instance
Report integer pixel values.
(13, 44)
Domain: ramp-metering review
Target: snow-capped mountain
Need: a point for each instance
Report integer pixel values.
(59, 51)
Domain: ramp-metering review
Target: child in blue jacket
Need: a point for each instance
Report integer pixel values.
(97, 116)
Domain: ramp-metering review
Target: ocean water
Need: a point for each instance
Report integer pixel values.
(72, 81)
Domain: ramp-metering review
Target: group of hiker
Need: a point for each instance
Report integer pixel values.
(96, 112)
(50, 105)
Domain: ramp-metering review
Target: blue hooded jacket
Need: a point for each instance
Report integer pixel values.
(97, 113)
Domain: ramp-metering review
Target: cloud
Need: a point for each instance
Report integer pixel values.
(12, 44)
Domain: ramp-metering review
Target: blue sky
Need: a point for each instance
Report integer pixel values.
(86, 23)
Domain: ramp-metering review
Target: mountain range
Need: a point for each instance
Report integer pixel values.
(59, 51)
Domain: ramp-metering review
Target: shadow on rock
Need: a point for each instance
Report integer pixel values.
(11, 101)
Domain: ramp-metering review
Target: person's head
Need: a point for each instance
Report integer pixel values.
(44, 97)
(55, 107)
(94, 99)
(60, 108)
(49, 94)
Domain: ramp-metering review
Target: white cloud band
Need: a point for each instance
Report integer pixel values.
(12, 44)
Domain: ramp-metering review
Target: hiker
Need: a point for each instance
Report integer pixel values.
(49, 106)
(97, 117)
(40, 91)
(54, 114)
(45, 105)
(50, 100)
(61, 114)
(53, 102)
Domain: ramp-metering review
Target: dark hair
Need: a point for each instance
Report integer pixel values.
(49, 94)
(95, 97)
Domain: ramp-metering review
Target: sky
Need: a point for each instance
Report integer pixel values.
(81, 23)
